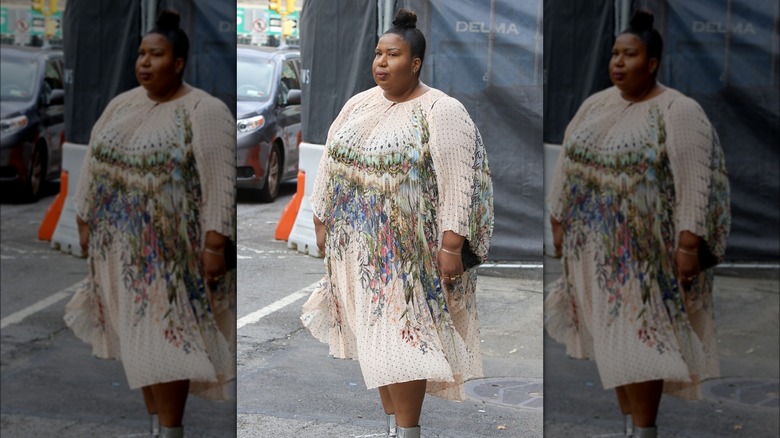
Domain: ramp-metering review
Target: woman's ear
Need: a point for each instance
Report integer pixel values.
(653, 65)
(179, 65)
(416, 64)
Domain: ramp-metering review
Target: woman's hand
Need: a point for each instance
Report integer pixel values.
(319, 230)
(212, 260)
(557, 232)
(449, 259)
(686, 262)
(83, 227)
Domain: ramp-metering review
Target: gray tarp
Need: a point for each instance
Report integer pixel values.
(498, 81)
(724, 55)
(338, 38)
(101, 42)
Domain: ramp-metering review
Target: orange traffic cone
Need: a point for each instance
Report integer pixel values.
(290, 212)
(49, 223)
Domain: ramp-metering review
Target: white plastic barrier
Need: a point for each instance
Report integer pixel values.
(551, 153)
(302, 236)
(66, 234)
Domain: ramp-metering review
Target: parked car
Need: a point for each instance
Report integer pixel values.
(32, 117)
(268, 118)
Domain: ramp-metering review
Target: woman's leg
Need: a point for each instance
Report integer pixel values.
(644, 399)
(622, 396)
(170, 399)
(387, 406)
(625, 408)
(151, 408)
(407, 398)
(387, 401)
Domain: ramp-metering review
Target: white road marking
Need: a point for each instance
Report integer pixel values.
(17, 317)
(261, 251)
(276, 305)
(511, 265)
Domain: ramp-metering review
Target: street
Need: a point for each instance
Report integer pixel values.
(52, 386)
(289, 387)
(742, 403)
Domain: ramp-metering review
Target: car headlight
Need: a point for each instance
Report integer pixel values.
(250, 124)
(13, 124)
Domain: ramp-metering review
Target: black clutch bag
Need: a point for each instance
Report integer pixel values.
(468, 257)
(230, 255)
(706, 258)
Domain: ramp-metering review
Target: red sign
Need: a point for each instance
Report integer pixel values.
(258, 25)
(22, 26)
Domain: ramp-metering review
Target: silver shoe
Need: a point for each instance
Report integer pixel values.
(391, 428)
(645, 432)
(408, 432)
(628, 422)
(172, 432)
(154, 425)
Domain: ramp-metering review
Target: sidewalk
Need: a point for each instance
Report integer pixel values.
(742, 403)
(288, 387)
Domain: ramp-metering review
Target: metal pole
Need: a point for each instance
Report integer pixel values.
(727, 44)
(622, 15)
(491, 37)
(538, 56)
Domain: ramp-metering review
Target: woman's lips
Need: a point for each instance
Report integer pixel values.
(618, 76)
(144, 76)
(381, 75)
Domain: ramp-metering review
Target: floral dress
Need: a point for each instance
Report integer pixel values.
(393, 178)
(630, 178)
(155, 179)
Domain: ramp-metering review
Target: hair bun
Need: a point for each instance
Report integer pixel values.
(642, 20)
(405, 19)
(168, 20)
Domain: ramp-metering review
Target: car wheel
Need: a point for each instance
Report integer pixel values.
(273, 175)
(36, 174)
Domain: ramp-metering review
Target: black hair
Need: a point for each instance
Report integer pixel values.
(641, 25)
(405, 26)
(167, 25)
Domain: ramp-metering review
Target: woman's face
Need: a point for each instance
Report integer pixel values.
(394, 69)
(630, 68)
(156, 68)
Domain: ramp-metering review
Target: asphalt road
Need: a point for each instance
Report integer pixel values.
(51, 384)
(742, 403)
(289, 387)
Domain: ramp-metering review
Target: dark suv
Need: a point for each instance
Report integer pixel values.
(269, 118)
(32, 117)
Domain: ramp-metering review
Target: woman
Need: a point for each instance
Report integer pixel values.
(640, 194)
(403, 183)
(155, 206)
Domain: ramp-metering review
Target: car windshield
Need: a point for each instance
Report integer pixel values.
(17, 79)
(254, 79)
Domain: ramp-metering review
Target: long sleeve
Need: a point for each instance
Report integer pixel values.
(555, 196)
(701, 186)
(465, 204)
(689, 146)
(82, 199)
(453, 145)
(319, 194)
(214, 146)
